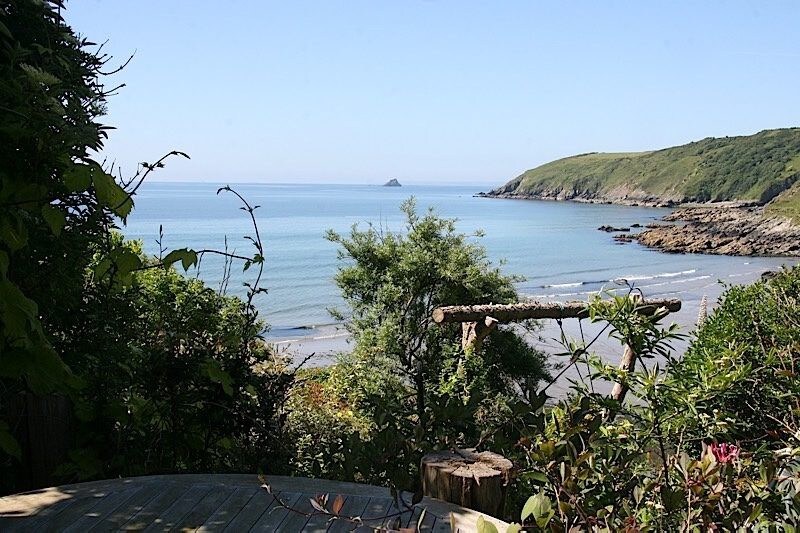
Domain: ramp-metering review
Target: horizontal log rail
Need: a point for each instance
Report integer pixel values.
(478, 321)
(533, 310)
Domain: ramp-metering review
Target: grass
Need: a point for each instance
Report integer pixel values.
(787, 204)
(755, 167)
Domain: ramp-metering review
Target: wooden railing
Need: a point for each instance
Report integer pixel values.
(477, 321)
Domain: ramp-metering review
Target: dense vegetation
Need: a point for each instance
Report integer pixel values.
(160, 373)
(408, 386)
(754, 168)
(163, 374)
(711, 441)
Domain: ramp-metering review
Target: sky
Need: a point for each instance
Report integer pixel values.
(432, 91)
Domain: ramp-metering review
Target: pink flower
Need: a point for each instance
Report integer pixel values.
(724, 453)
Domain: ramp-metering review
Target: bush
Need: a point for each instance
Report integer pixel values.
(742, 368)
(408, 382)
(175, 379)
(690, 452)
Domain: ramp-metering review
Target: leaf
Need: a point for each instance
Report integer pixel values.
(13, 232)
(187, 257)
(217, 375)
(538, 506)
(78, 177)
(55, 218)
(110, 194)
(538, 476)
(513, 528)
(337, 504)
(8, 443)
(38, 75)
(315, 504)
(482, 526)
(4, 31)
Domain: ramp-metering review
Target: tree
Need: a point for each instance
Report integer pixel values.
(392, 282)
(162, 373)
(55, 201)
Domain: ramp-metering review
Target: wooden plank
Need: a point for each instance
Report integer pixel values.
(229, 509)
(353, 506)
(296, 521)
(72, 513)
(443, 525)
(29, 511)
(102, 509)
(204, 508)
(129, 508)
(153, 509)
(417, 520)
(376, 512)
(276, 514)
(251, 512)
(167, 520)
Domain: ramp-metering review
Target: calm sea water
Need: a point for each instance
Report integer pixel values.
(554, 245)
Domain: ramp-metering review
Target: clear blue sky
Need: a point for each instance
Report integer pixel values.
(434, 91)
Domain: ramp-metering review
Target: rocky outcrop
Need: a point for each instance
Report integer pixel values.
(392, 183)
(724, 231)
(618, 196)
(610, 229)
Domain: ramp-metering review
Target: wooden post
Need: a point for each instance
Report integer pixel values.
(473, 333)
(476, 480)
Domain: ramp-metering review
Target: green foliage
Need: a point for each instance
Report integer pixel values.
(787, 204)
(163, 374)
(756, 167)
(741, 369)
(176, 379)
(408, 382)
(689, 452)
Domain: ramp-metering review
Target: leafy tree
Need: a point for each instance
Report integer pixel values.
(409, 375)
(689, 452)
(163, 373)
(55, 202)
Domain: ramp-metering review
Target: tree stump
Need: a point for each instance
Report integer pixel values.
(476, 480)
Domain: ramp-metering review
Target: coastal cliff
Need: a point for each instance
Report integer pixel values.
(754, 168)
(748, 188)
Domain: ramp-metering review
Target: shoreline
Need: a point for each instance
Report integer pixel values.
(326, 342)
(736, 228)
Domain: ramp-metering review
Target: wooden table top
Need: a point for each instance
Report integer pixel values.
(222, 502)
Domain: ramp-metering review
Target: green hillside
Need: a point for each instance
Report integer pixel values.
(754, 167)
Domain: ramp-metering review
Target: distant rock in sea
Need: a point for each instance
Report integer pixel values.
(392, 183)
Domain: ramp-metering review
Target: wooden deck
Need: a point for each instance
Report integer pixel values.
(233, 503)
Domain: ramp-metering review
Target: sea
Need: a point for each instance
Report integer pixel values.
(554, 246)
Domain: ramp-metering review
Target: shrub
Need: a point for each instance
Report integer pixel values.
(741, 370)
(409, 378)
(668, 460)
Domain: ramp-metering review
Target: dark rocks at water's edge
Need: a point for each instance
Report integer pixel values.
(392, 183)
(723, 231)
(582, 197)
(722, 228)
(611, 229)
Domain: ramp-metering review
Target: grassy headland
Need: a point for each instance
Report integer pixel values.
(754, 168)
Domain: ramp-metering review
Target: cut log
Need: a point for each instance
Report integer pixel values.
(473, 333)
(533, 310)
(477, 480)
